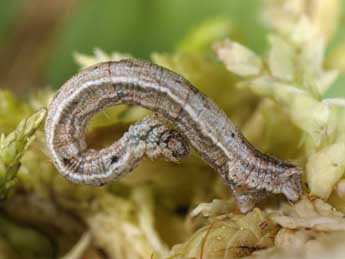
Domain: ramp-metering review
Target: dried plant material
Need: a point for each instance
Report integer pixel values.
(280, 14)
(114, 224)
(292, 240)
(340, 188)
(314, 247)
(311, 57)
(272, 131)
(307, 113)
(324, 15)
(317, 223)
(214, 208)
(311, 229)
(295, 80)
(79, 248)
(238, 58)
(120, 217)
(229, 236)
(304, 31)
(325, 168)
(281, 59)
(107, 229)
(12, 148)
(143, 196)
(314, 215)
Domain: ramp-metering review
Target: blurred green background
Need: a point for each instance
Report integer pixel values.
(38, 37)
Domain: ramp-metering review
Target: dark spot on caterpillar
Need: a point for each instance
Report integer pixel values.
(65, 161)
(178, 81)
(114, 159)
(232, 135)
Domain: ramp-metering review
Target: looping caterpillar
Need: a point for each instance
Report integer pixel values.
(197, 121)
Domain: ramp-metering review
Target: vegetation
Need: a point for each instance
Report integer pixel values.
(288, 101)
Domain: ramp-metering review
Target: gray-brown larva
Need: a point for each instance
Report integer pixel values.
(197, 120)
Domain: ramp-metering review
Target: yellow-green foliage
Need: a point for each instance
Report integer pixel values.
(12, 148)
(292, 74)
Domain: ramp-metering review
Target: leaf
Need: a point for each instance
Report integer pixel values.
(310, 63)
(143, 196)
(325, 168)
(216, 207)
(304, 245)
(13, 147)
(228, 236)
(314, 215)
(282, 15)
(295, 79)
(273, 132)
(238, 58)
(307, 113)
(115, 222)
(311, 228)
(281, 59)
